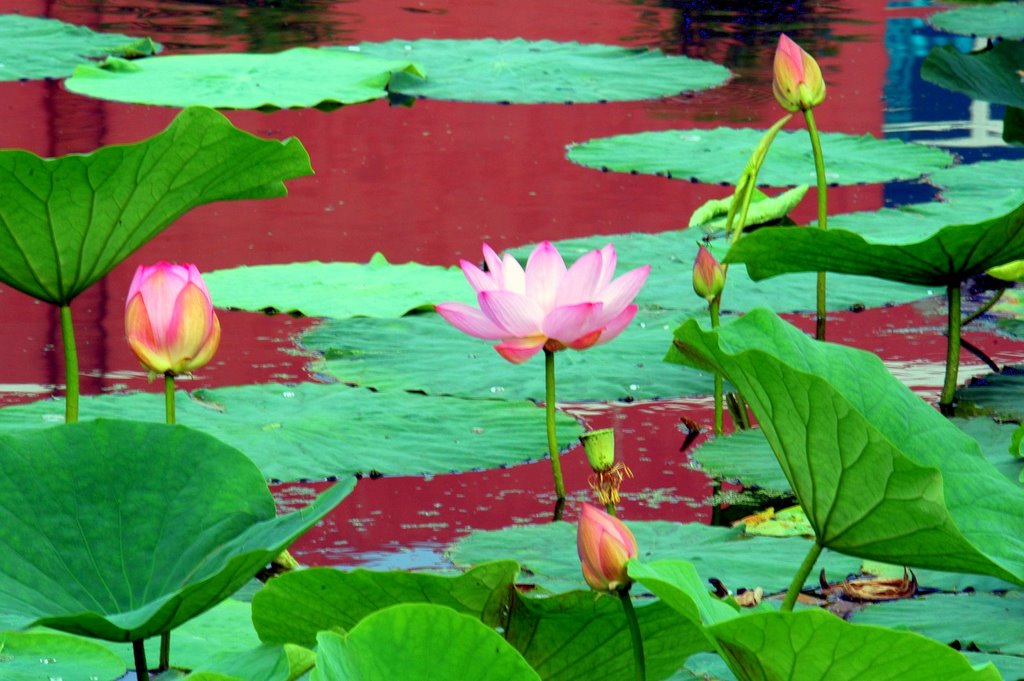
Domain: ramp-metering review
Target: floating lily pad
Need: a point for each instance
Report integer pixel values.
(548, 553)
(989, 76)
(720, 155)
(946, 258)
(996, 394)
(381, 353)
(1010, 666)
(113, 547)
(34, 47)
(55, 243)
(998, 20)
(526, 72)
(312, 430)
(879, 472)
(43, 655)
(338, 289)
(299, 77)
(671, 255)
(976, 621)
(991, 186)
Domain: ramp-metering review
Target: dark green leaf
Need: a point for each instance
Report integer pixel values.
(103, 536)
(990, 75)
(879, 473)
(66, 222)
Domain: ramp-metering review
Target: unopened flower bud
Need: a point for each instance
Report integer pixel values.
(605, 546)
(708, 275)
(797, 81)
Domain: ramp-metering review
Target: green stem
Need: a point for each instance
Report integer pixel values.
(634, 630)
(141, 668)
(801, 576)
(984, 308)
(549, 409)
(952, 349)
(165, 638)
(67, 332)
(819, 170)
(713, 308)
(610, 508)
(169, 397)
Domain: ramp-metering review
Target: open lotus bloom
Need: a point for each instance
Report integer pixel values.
(169, 319)
(546, 305)
(797, 81)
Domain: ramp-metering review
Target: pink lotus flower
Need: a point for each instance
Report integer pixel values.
(797, 82)
(605, 546)
(169, 319)
(546, 305)
(708, 275)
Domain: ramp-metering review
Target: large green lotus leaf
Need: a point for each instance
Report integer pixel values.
(994, 20)
(103, 534)
(814, 644)
(312, 430)
(946, 258)
(527, 72)
(747, 458)
(990, 75)
(66, 222)
(549, 559)
(671, 255)
(299, 77)
(718, 156)
(43, 655)
(418, 642)
(338, 289)
(677, 583)
(583, 635)
(293, 607)
(979, 621)
(879, 473)
(34, 47)
(426, 353)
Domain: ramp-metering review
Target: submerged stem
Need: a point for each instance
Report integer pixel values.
(639, 663)
(67, 333)
(549, 410)
(819, 171)
(952, 349)
(801, 576)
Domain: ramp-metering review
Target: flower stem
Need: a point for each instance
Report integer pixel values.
(984, 308)
(634, 630)
(952, 349)
(549, 409)
(141, 667)
(165, 638)
(713, 308)
(67, 333)
(819, 170)
(801, 576)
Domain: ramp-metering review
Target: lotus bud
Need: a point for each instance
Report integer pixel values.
(797, 81)
(605, 546)
(169, 319)
(708, 275)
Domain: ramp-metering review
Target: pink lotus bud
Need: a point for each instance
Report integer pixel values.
(708, 275)
(169, 319)
(797, 82)
(605, 545)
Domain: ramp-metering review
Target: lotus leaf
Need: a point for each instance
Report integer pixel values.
(66, 222)
(525, 72)
(135, 528)
(997, 20)
(47, 655)
(299, 77)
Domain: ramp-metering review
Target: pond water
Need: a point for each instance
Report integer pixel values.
(432, 182)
